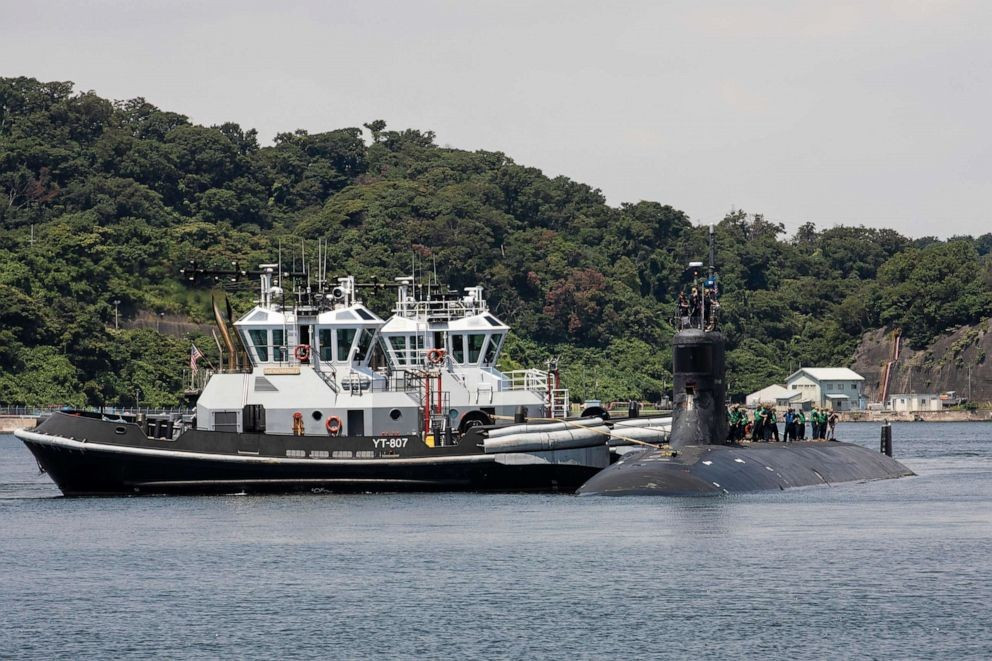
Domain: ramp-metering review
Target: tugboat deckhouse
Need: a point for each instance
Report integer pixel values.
(321, 393)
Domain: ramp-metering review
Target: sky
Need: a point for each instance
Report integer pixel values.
(833, 112)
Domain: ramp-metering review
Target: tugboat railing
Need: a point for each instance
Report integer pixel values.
(528, 379)
(15, 410)
(440, 310)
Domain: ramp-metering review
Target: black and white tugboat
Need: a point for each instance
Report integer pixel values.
(320, 393)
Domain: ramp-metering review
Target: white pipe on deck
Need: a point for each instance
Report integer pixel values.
(543, 427)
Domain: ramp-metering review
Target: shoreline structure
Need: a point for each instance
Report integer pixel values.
(8, 423)
(978, 415)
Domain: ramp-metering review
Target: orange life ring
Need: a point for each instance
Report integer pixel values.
(302, 352)
(333, 425)
(435, 356)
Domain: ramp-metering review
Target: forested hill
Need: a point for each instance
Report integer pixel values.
(120, 194)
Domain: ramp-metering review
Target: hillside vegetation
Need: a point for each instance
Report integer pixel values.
(120, 194)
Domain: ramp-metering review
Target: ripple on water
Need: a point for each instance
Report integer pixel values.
(893, 569)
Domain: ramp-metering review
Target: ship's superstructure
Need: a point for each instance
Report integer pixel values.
(317, 392)
(324, 363)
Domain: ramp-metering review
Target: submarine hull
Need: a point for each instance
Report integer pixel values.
(709, 470)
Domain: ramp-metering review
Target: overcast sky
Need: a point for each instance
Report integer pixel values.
(874, 113)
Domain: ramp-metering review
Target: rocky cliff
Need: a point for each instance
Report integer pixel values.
(958, 360)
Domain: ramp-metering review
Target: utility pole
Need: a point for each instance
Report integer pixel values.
(117, 304)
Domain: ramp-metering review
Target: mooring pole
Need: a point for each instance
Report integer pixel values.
(885, 442)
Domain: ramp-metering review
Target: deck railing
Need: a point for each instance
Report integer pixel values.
(531, 379)
(35, 411)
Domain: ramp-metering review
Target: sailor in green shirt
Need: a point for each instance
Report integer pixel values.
(801, 425)
(819, 423)
(735, 419)
(771, 424)
(757, 433)
(741, 423)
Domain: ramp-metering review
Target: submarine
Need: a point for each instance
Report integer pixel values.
(699, 460)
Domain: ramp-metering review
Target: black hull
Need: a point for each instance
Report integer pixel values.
(708, 470)
(105, 463)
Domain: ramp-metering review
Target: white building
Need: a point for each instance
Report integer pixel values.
(782, 396)
(914, 402)
(837, 388)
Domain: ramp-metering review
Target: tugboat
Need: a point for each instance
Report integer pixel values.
(320, 394)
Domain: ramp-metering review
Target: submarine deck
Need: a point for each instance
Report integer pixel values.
(700, 470)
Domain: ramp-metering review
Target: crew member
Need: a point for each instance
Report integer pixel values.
(832, 424)
(821, 423)
(790, 425)
(757, 430)
(683, 310)
(772, 424)
(695, 308)
(737, 420)
(712, 306)
(801, 425)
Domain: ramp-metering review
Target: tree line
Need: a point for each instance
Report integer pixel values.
(119, 195)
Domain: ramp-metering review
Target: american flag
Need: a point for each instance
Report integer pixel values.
(194, 355)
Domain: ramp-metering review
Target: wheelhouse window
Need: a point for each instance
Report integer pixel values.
(345, 337)
(416, 349)
(365, 338)
(324, 337)
(475, 342)
(458, 348)
(380, 354)
(279, 351)
(492, 349)
(406, 350)
(398, 344)
(260, 341)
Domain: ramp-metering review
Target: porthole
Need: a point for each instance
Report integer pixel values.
(395, 414)
(316, 415)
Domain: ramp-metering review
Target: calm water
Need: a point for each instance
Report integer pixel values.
(891, 569)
